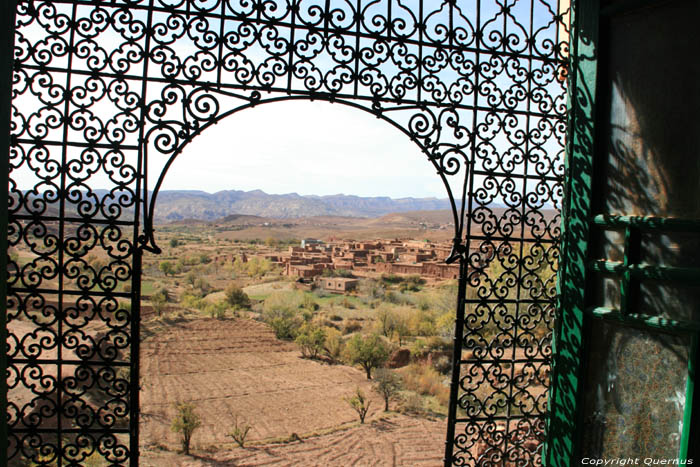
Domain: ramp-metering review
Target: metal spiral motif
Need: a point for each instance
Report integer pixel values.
(105, 94)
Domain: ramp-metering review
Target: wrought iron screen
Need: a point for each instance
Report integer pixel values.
(105, 94)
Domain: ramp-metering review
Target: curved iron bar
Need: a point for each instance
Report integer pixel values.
(255, 100)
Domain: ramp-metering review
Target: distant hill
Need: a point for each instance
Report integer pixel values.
(239, 206)
(179, 205)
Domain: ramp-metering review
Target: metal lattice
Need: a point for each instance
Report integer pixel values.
(107, 93)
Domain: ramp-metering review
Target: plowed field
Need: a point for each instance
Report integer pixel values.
(395, 441)
(230, 368)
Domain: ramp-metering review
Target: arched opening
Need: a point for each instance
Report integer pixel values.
(404, 175)
(251, 311)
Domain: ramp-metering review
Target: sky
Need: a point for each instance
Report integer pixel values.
(310, 148)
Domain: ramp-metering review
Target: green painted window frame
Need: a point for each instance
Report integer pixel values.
(564, 425)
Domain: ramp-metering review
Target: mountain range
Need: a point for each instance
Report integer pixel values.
(174, 205)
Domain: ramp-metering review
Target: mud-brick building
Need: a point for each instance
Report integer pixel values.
(416, 257)
(440, 270)
(403, 268)
(337, 284)
(304, 271)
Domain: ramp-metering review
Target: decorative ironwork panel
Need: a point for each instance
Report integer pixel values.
(107, 93)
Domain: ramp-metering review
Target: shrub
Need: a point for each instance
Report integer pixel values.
(192, 300)
(424, 379)
(423, 303)
(411, 283)
(161, 294)
(333, 345)
(255, 267)
(443, 364)
(216, 310)
(166, 267)
(190, 278)
(352, 326)
(359, 404)
(285, 327)
(236, 297)
(422, 323)
(185, 422)
(239, 432)
(309, 303)
(391, 278)
(202, 284)
(311, 339)
(422, 347)
(412, 403)
(371, 289)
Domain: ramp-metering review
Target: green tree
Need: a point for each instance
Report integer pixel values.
(159, 301)
(368, 351)
(185, 422)
(311, 340)
(166, 267)
(401, 327)
(174, 243)
(333, 345)
(386, 320)
(387, 384)
(236, 297)
(359, 404)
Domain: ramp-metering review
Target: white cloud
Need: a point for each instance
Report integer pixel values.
(308, 148)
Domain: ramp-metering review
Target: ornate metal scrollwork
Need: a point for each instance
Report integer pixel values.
(106, 94)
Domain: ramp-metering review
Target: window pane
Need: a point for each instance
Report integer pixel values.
(635, 393)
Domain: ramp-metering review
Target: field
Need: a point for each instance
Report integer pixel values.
(236, 367)
(242, 343)
(395, 440)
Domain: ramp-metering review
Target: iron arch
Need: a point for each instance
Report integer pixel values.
(445, 164)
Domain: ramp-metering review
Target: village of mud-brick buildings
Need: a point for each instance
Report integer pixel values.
(313, 259)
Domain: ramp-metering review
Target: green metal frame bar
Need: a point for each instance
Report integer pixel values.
(689, 391)
(561, 445)
(667, 224)
(644, 321)
(647, 271)
(7, 37)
